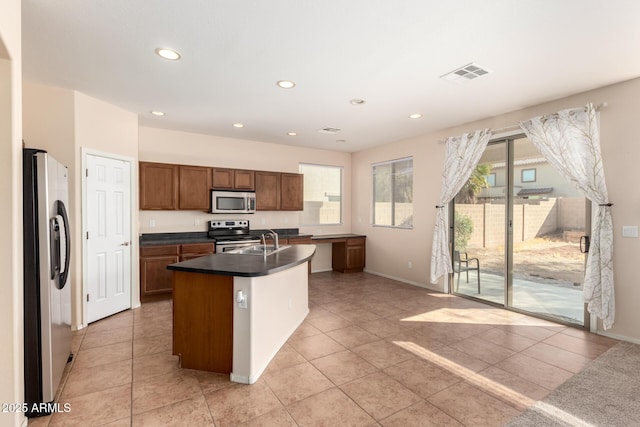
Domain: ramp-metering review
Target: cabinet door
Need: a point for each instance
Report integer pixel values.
(158, 186)
(291, 192)
(195, 186)
(355, 254)
(154, 276)
(267, 191)
(197, 248)
(223, 178)
(244, 180)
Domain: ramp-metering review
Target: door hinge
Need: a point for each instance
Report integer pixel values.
(87, 297)
(86, 172)
(87, 235)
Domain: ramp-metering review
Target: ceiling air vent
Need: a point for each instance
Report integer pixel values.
(467, 72)
(329, 130)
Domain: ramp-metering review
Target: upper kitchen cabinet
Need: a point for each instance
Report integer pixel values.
(194, 187)
(267, 191)
(158, 186)
(277, 191)
(233, 179)
(291, 191)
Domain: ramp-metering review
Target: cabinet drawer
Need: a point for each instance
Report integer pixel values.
(356, 241)
(197, 248)
(158, 250)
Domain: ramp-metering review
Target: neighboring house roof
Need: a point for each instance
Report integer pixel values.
(534, 191)
(521, 162)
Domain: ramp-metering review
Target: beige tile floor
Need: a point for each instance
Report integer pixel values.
(372, 351)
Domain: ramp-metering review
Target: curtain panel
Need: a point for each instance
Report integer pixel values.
(570, 141)
(462, 154)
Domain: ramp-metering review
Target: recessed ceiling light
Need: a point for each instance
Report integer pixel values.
(291, 133)
(415, 116)
(357, 101)
(286, 84)
(157, 113)
(169, 54)
(238, 125)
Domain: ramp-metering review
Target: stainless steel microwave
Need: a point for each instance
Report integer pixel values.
(238, 202)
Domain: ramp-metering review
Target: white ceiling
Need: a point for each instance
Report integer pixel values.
(389, 53)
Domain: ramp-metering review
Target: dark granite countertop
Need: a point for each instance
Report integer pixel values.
(174, 238)
(336, 236)
(226, 264)
(150, 239)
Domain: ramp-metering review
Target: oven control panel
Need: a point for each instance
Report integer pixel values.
(217, 224)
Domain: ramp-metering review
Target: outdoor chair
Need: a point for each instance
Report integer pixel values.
(465, 264)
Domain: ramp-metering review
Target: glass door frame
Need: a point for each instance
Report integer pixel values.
(508, 267)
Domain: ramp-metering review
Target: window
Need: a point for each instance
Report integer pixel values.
(393, 193)
(491, 180)
(322, 194)
(528, 175)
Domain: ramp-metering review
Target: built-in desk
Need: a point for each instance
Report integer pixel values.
(347, 251)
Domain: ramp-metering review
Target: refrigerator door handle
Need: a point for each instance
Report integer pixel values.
(62, 211)
(54, 250)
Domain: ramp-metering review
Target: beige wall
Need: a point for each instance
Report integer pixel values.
(65, 122)
(11, 332)
(160, 145)
(388, 250)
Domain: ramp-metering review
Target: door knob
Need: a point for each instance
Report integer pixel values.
(125, 244)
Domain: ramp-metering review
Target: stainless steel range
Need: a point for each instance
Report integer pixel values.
(231, 234)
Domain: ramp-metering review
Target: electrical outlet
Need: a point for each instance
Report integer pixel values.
(152, 223)
(196, 221)
(290, 303)
(409, 264)
(286, 219)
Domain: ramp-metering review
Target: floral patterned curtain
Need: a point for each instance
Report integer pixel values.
(462, 154)
(570, 141)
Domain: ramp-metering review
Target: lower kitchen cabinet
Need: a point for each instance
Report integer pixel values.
(155, 279)
(348, 256)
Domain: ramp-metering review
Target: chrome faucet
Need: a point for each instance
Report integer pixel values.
(274, 236)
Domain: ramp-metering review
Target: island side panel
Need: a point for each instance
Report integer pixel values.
(203, 321)
(276, 305)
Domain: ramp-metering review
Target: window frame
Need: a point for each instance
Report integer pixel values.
(393, 199)
(341, 170)
(535, 175)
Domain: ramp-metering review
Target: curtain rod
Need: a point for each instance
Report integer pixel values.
(513, 128)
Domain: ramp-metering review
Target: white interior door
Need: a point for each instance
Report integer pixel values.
(108, 234)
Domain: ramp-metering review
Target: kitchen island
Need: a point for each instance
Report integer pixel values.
(233, 312)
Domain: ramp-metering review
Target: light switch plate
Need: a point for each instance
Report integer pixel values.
(629, 231)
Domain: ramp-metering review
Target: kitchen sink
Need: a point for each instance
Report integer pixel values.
(258, 250)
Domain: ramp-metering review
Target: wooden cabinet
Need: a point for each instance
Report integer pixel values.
(203, 321)
(155, 279)
(194, 187)
(299, 240)
(158, 186)
(277, 191)
(348, 255)
(267, 191)
(291, 191)
(233, 179)
(196, 250)
(170, 187)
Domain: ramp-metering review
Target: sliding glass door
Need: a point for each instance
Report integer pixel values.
(517, 232)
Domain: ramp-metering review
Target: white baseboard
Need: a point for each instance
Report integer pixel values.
(399, 279)
(618, 337)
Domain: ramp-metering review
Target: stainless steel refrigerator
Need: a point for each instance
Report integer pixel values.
(47, 295)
